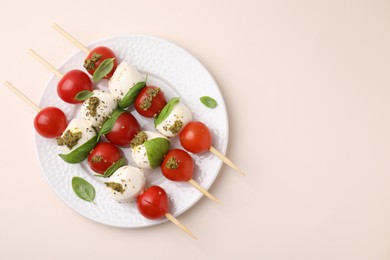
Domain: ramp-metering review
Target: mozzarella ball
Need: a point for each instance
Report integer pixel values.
(98, 108)
(76, 134)
(126, 183)
(179, 117)
(139, 152)
(123, 79)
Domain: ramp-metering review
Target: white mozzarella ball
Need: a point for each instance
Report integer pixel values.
(98, 108)
(77, 129)
(123, 79)
(139, 152)
(179, 117)
(126, 183)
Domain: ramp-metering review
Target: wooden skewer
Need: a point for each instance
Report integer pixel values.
(22, 96)
(225, 160)
(45, 63)
(71, 38)
(180, 225)
(203, 190)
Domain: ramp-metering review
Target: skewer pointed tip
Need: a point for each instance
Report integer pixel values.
(171, 218)
(226, 160)
(204, 191)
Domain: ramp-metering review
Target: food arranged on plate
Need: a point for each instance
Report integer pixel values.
(105, 125)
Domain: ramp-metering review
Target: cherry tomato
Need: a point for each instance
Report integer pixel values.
(153, 203)
(50, 122)
(150, 101)
(177, 165)
(124, 130)
(71, 84)
(196, 137)
(97, 56)
(103, 156)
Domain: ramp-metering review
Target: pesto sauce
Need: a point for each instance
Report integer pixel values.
(115, 186)
(69, 139)
(175, 128)
(89, 64)
(147, 102)
(93, 103)
(139, 139)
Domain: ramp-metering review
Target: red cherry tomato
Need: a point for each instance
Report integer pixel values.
(50, 122)
(153, 203)
(178, 165)
(124, 130)
(103, 156)
(71, 84)
(97, 56)
(196, 137)
(150, 101)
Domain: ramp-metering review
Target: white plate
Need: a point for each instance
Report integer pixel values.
(178, 73)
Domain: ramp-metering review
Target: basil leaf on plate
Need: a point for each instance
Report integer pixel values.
(83, 189)
(109, 123)
(130, 96)
(104, 68)
(166, 111)
(83, 95)
(121, 162)
(156, 149)
(208, 101)
(80, 153)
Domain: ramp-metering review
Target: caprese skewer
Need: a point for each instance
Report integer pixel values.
(179, 166)
(70, 84)
(153, 203)
(50, 122)
(94, 57)
(195, 137)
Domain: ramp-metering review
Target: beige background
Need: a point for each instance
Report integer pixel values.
(307, 88)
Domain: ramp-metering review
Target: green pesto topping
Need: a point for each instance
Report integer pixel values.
(89, 64)
(172, 163)
(96, 158)
(69, 139)
(93, 103)
(115, 186)
(147, 102)
(139, 139)
(175, 128)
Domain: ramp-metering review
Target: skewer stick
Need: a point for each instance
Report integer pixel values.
(180, 225)
(71, 38)
(45, 63)
(203, 190)
(22, 96)
(225, 160)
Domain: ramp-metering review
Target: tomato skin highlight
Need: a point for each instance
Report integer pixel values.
(103, 156)
(106, 53)
(153, 203)
(124, 130)
(71, 84)
(196, 137)
(157, 102)
(180, 159)
(50, 122)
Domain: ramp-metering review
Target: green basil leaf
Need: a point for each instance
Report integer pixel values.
(83, 189)
(104, 68)
(80, 153)
(121, 162)
(156, 149)
(109, 123)
(130, 96)
(208, 101)
(166, 111)
(83, 95)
